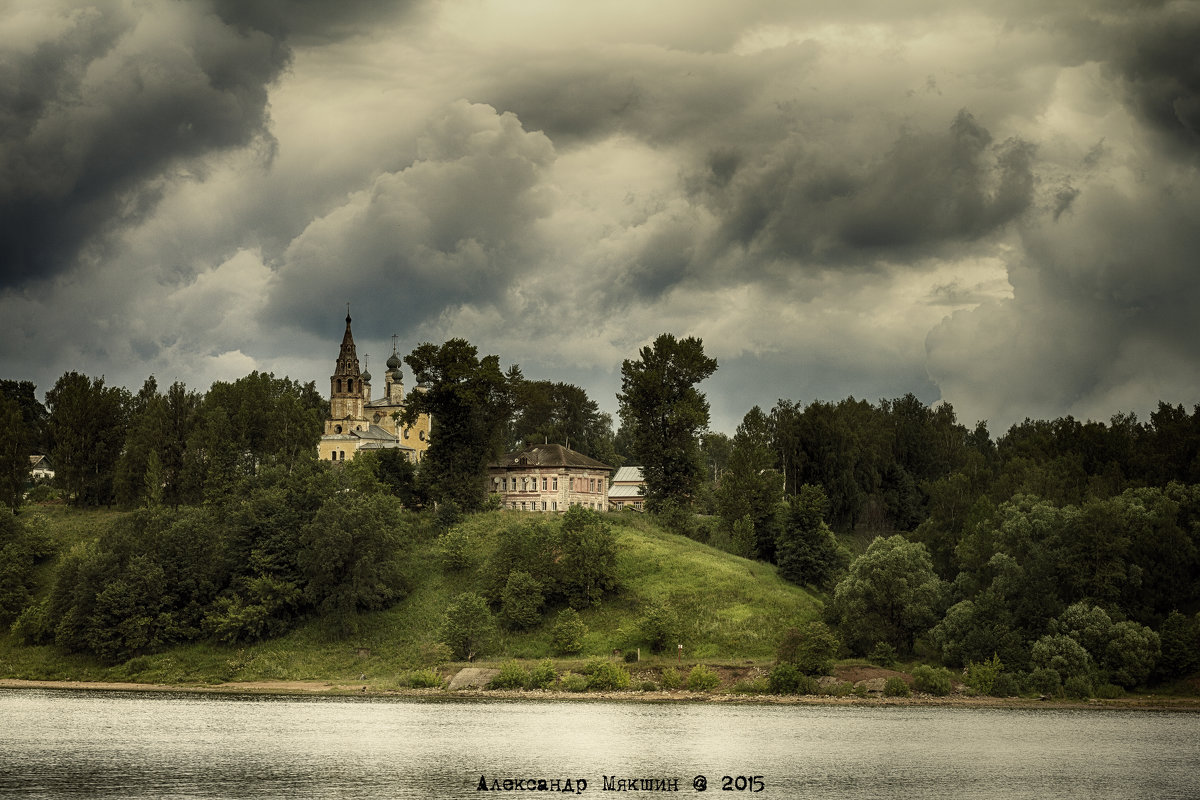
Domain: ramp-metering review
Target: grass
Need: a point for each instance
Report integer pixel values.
(733, 609)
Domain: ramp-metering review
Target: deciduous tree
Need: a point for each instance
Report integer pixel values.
(665, 412)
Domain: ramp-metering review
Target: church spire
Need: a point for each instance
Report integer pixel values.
(346, 396)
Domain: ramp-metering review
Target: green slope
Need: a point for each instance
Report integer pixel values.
(731, 608)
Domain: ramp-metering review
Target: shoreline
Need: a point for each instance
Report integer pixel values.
(318, 688)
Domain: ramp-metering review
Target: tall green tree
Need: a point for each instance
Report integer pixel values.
(665, 412)
(561, 413)
(890, 595)
(33, 413)
(14, 454)
(807, 551)
(751, 486)
(87, 426)
(470, 402)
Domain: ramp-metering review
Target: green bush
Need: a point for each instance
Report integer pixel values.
(670, 678)
(512, 675)
(702, 679)
(929, 680)
(812, 648)
(569, 631)
(788, 679)
(660, 627)
(574, 682)
(1005, 685)
(454, 546)
(1062, 654)
(981, 675)
(1109, 691)
(631, 656)
(468, 627)
(1045, 680)
(543, 675)
(606, 676)
(896, 687)
(648, 686)
(521, 601)
(1078, 687)
(883, 654)
(425, 679)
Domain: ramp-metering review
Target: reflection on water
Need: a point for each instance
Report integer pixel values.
(116, 744)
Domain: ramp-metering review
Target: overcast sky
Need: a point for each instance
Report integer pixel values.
(995, 205)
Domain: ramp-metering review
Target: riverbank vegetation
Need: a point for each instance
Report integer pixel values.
(1061, 559)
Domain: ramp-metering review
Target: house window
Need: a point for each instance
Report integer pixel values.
(554, 505)
(556, 486)
(543, 505)
(544, 484)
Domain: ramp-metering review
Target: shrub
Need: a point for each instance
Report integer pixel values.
(1131, 653)
(425, 679)
(788, 679)
(468, 627)
(660, 627)
(521, 601)
(671, 678)
(1109, 691)
(702, 679)
(1045, 680)
(568, 633)
(896, 687)
(1006, 685)
(1078, 687)
(812, 649)
(512, 675)
(883, 655)
(631, 656)
(928, 680)
(455, 549)
(981, 675)
(605, 675)
(574, 682)
(648, 686)
(1062, 654)
(543, 675)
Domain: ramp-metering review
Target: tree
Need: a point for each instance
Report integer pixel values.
(589, 557)
(659, 402)
(470, 402)
(751, 487)
(890, 595)
(812, 648)
(87, 427)
(349, 557)
(33, 413)
(468, 626)
(806, 550)
(560, 413)
(521, 601)
(14, 454)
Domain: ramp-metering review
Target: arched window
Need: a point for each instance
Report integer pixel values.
(339, 385)
(350, 385)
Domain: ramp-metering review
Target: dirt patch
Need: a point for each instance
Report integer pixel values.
(854, 673)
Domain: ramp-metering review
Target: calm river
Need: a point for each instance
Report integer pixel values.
(116, 744)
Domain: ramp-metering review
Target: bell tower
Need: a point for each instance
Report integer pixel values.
(346, 391)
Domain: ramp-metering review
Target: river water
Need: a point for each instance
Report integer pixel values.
(59, 744)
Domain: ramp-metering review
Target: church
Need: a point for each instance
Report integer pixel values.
(356, 422)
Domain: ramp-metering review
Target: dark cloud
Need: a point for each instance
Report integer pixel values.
(927, 191)
(104, 105)
(109, 102)
(451, 228)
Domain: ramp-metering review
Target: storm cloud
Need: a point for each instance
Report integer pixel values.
(990, 205)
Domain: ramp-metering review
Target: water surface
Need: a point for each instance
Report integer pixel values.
(56, 743)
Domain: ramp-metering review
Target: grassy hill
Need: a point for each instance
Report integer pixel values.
(732, 609)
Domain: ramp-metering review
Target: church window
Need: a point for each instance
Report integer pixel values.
(339, 385)
(421, 436)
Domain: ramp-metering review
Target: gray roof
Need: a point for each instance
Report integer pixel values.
(628, 475)
(548, 455)
(375, 432)
(624, 492)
